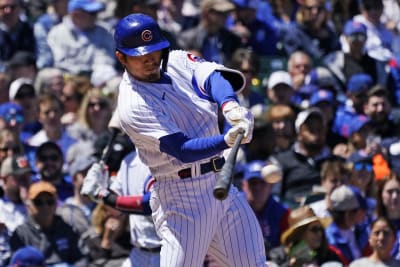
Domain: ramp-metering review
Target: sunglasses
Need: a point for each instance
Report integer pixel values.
(357, 37)
(41, 202)
(317, 8)
(101, 104)
(316, 229)
(8, 148)
(17, 118)
(363, 166)
(53, 157)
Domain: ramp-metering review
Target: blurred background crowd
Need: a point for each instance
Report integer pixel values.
(323, 82)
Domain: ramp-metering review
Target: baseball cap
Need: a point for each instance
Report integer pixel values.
(11, 110)
(356, 123)
(90, 6)
(321, 95)
(343, 198)
(27, 256)
(253, 170)
(304, 115)
(354, 27)
(41, 187)
(21, 58)
(246, 3)
(80, 164)
(359, 82)
(279, 77)
(15, 165)
(21, 86)
(322, 77)
(217, 5)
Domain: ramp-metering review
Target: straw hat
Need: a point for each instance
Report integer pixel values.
(299, 217)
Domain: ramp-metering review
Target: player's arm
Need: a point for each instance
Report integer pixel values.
(95, 186)
(192, 149)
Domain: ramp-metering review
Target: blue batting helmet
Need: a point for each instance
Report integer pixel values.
(138, 35)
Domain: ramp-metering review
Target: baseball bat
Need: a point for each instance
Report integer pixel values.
(224, 181)
(107, 149)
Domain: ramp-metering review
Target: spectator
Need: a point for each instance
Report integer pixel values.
(79, 44)
(379, 38)
(279, 88)
(10, 145)
(346, 212)
(271, 214)
(27, 256)
(282, 118)
(248, 62)
(50, 81)
(345, 63)
(93, 116)
(304, 241)
(210, 37)
(259, 35)
(357, 88)
(381, 240)
(12, 118)
(50, 110)
(23, 93)
(325, 100)
(334, 173)
(300, 164)
(46, 230)
(56, 10)
(49, 161)
(299, 65)
(312, 31)
(22, 65)
(15, 34)
(15, 180)
(378, 109)
(108, 238)
(72, 95)
(388, 205)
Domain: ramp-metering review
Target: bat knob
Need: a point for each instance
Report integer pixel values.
(220, 193)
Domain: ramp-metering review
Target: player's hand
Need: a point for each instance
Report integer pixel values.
(235, 114)
(231, 135)
(95, 182)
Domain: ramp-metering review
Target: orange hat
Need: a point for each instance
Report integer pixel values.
(40, 187)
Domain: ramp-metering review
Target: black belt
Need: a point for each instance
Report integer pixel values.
(151, 250)
(215, 165)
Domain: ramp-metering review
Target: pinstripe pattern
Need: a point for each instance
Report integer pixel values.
(190, 221)
(139, 258)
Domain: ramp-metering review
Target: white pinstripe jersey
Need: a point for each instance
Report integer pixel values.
(148, 111)
(131, 180)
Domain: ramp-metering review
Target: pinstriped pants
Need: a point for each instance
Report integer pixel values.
(192, 223)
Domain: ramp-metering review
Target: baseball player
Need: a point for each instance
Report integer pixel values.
(168, 104)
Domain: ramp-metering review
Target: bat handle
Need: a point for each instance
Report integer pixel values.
(224, 181)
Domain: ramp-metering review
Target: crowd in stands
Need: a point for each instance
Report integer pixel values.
(322, 81)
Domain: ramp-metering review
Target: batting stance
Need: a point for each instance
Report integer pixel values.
(168, 105)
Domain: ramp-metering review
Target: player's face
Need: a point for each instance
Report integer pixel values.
(143, 68)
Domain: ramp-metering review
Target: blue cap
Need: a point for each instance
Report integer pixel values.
(246, 3)
(360, 156)
(359, 83)
(321, 95)
(253, 170)
(356, 123)
(90, 6)
(27, 256)
(11, 110)
(354, 27)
